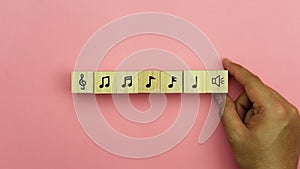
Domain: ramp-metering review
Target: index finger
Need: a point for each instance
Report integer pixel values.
(256, 90)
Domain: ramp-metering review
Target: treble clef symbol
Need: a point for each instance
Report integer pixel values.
(82, 82)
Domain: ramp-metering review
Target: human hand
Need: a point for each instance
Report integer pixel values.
(262, 127)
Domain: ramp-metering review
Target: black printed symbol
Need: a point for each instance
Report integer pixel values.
(82, 82)
(103, 81)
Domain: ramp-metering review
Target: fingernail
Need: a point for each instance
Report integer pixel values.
(226, 62)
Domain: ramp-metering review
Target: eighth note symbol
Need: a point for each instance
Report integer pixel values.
(174, 79)
(82, 82)
(149, 83)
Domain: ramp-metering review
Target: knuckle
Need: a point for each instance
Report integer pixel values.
(235, 136)
(293, 111)
(280, 110)
(285, 113)
(256, 78)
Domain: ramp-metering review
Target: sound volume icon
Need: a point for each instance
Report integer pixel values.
(217, 80)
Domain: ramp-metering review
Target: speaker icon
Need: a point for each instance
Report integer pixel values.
(217, 80)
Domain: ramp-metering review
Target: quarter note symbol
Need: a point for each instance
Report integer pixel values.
(149, 83)
(127, 78)
(82, 82)
(196, 83)
(103, 81)
(174, 79)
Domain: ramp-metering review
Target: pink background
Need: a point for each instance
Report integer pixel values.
(39, 45)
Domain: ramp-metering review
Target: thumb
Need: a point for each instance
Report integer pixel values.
(231, 121)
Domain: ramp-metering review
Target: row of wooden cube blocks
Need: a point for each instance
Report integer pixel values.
(187, 81)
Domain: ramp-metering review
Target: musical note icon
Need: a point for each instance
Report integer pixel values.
(149, 83)
(103, 79)
(82, 82)
(174, 79)
(127, 78)
(196, 83)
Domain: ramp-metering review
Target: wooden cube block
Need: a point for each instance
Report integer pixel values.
(82, 82)
(171, 81)
(104, 82)
(217, 81)
(194, 81)
(149, 82)
(126, 82)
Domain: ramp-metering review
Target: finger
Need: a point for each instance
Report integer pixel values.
(243, 104)
(248, 116)
(254, 87)
(230, 118)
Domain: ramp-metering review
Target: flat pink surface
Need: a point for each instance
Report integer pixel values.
(39, 45)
